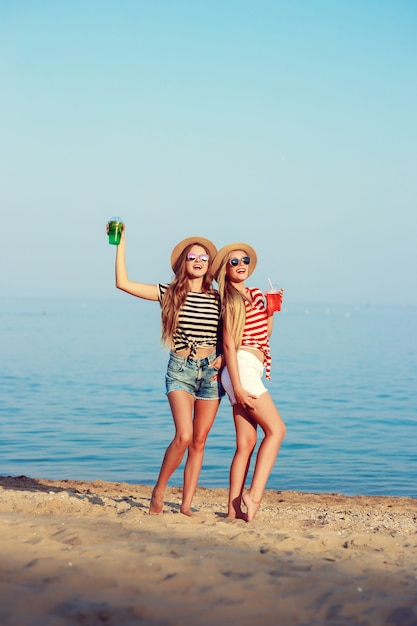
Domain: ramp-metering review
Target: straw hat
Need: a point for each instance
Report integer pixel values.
(180, 247)
(226, 250)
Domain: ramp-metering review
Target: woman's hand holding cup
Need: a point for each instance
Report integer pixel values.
(274, 297)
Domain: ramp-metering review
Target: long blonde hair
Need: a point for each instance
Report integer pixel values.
(233, 304)
(176, 294)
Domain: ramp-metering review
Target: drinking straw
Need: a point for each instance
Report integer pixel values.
(270, 282)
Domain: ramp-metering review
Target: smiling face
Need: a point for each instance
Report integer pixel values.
(197, 261)
(237, 266)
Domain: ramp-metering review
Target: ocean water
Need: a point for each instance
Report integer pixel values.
(82, 396)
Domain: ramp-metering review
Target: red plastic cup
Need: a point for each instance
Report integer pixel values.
(273, 301)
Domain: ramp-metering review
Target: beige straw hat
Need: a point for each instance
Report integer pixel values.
(190, 241)
(226, 250)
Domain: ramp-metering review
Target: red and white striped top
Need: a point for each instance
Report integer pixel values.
(255, 333)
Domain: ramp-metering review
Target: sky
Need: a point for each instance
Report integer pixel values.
(287, 124)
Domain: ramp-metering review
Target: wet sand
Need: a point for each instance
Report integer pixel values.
(89, 553)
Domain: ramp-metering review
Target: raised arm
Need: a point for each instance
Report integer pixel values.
(140, 290)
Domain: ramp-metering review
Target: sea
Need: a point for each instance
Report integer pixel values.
(82, 396)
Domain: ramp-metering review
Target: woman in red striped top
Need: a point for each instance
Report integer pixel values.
(246, 331)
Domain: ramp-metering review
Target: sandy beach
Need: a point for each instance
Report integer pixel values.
(89, 553)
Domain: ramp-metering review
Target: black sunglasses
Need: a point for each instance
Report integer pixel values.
(235, 261)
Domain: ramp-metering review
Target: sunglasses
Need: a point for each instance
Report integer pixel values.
(235, 261)
(192, 256)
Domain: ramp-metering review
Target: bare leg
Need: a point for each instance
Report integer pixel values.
(181, 404)
(204, 414)
(267, 416)
(245, 443)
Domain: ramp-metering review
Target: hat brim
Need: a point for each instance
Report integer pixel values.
(182, 245)
(226, 250)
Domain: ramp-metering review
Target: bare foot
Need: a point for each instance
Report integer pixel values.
(187, 511)
(157, 504)
(251, 506)
(235, 511)
(237, 515)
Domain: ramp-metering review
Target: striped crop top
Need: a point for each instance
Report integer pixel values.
(198, 321)
(255, 333)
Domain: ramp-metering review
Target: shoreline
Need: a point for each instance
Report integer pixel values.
(88, 552)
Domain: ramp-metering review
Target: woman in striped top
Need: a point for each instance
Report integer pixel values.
(190, 328)
(246, 332)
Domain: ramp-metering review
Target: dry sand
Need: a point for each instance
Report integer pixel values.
(88, 553)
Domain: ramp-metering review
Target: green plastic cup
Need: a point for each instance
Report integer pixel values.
(115, 227)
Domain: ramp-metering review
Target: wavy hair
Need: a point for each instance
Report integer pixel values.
(233, 304)
(176, 293)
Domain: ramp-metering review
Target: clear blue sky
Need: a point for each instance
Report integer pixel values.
(288, 124)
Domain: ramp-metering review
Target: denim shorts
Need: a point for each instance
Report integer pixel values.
(196, 376)
(250, 373)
